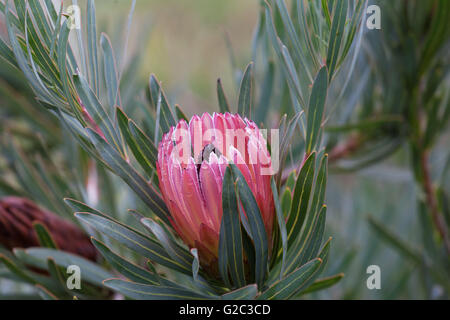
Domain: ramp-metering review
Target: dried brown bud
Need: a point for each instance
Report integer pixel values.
(17, 216)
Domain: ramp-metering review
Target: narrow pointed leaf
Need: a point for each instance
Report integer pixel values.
(301, 195)
(230, 232)
(44, 236)
(246, 293)
(130, 140)
(110, 72)
(223, 102)
(337, 33)
(92, 46)
(123, 169)
(125, 267)
(167, 118)
(281, 226)
(256, 224)
(245, 92)
(316, 110)
(309, 244)
(45, 294)
(292, 283)
(177, 253)
(96, 110)
(180, 114)
(91, 272)
(149, 292)
(147, 247)
(323, 283)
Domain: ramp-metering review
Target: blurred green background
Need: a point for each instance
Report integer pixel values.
(188, 44)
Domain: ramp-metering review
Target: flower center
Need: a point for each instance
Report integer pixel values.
(206, 153)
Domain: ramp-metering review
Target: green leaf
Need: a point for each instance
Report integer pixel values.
(292, 283)
(320, 186)
(147, 247)
(63, 49)
(144, 162)
(92, 47)
(266, 94)
(7, 54)
(323, 255)
(302, 17)
(16, 270)
(57, 20)
(22, 60)
(223, 102)
(180, 114)
(78, 206)
(438, 31)
(110, 72)
(326, 11)
(41, 21)
(314, 239)
(96, 110)
(246, 293)
(126, 268)
(57, 274)
(283, 56)
(256, 224)
(301, 195)
(323, 283)
(355, 21)
(90, 271)
(337, 33)
(20, 10)
(156, 93)
(316, 109)
(44, 236)
(177, 253)
(230, 233)
(286, 201)
(308, 241)
(293, 37)
(123, 169)
(246, 92)
(281, 226)
(45, 294)
(149, 292)
(146, 146)
(292, 74)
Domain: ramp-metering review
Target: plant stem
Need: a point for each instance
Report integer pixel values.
(431, 200)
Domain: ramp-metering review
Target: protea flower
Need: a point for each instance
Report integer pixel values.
(192, 159)
(17, 216)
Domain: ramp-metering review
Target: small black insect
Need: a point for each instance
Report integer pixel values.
(206, 153)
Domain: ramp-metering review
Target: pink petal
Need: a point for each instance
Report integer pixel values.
(195, 128)
(212, 193)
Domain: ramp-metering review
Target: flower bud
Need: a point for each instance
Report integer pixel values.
(192, 159)
(17, 216)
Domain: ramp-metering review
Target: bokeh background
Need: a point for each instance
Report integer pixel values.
(187, 44)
